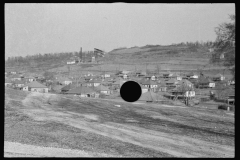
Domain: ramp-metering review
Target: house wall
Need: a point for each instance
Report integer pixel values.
(144, 90)
(212, 85)
(153, 78)
(43, 90)
(16, 79)
(67, 82)
(179, 78)
(8, 84)
(190, 94)
(19, 85)
(105, 92)
(153, 86)
(25, 88)
(72, 62)
(83, 95)
(96, 84)
(194, 76)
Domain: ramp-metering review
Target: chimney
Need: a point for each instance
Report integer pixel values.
(81, 53)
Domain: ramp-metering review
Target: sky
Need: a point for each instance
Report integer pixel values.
(65, 27)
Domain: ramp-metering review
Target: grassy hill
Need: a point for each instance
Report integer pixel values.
(179, 58)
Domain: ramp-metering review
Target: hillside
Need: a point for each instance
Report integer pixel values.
(179, 58)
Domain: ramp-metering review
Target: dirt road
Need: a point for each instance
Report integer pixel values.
(43, 107)
(13, 149)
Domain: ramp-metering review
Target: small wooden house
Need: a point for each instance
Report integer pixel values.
(218, 77)
(35, 87)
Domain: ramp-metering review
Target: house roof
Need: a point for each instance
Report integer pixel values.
(147, 82)
(190, 74)
(80, 90)
(19, 82)
(184, 81)
(166, 73)
(36, 84)
(218, 75)
(203, 80)
(96, 81)
(150, 96)
(8, 80)
(101, 88)
(69, 87)
(172, 81)
(62, 79)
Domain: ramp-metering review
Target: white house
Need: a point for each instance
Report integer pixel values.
(30, 78)
(94, 82)
(125, 76)
(35, 87)
(13, 72)
(177, 77)
(64, 80)
(19, 83)
(221, 56)
(106, 75)
(189, 94)
(125, 72)
(218, 77)
(211, 49)
(104, 90)
(149, 84)
(8, 82)
(144, 89)
(151, 77)
(185, 82)
(211, 84)
(192, 75)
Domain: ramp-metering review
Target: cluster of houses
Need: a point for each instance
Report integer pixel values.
(25, 82)
(90, 85)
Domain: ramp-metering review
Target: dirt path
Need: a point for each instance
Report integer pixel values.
(176, 145)
(14, 149)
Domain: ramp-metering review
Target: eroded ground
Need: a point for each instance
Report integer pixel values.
(99, 128)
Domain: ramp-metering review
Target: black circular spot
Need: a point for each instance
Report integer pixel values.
(130, 91)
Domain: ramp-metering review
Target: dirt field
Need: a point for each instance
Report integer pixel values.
(98, 128)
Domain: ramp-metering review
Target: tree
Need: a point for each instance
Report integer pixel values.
(225, 44)
(48, 75)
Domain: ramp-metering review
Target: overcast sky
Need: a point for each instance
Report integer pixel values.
(51, 28)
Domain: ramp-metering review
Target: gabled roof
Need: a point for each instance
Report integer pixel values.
(96, 81)
(69, 87)
(19, 82)
(101, 88)
(218, 75)
(184, 81)
(190, 74)
(172, 81)
(62, 79)
(80, 90)
(36, 84)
